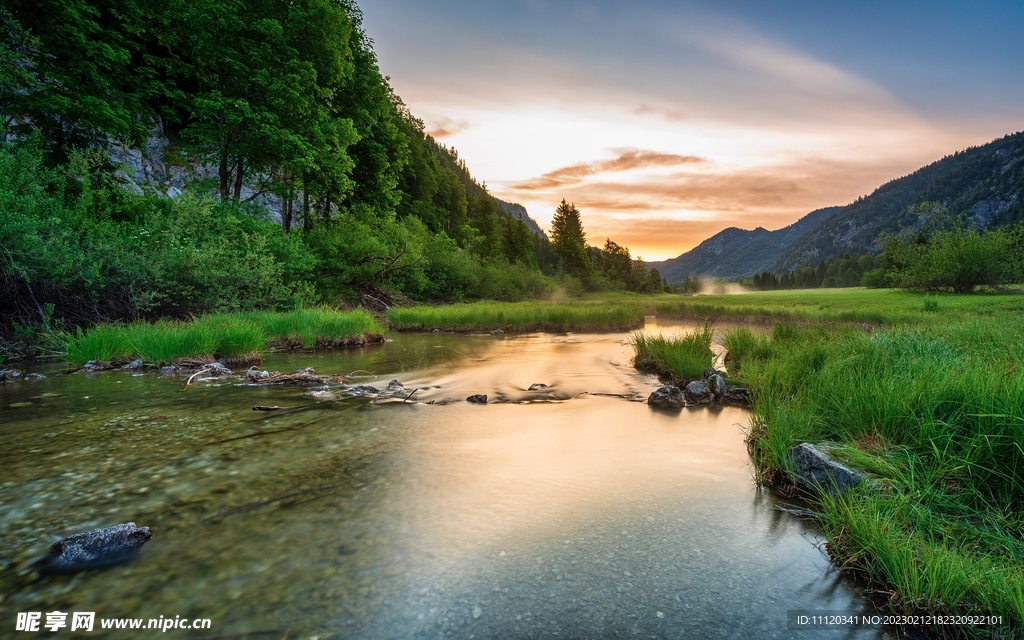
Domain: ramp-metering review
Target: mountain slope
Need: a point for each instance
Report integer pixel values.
(984, 185)
(519, 212)
(735, 253)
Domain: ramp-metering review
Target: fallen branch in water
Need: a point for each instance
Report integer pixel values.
(260, 407)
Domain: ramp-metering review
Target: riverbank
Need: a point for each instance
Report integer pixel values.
(929, 400)
(221, 336)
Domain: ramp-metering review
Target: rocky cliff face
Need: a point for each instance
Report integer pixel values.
(519, 212)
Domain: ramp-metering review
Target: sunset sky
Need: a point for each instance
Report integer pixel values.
(666, 122)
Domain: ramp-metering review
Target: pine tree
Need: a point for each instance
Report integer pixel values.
(569, 240)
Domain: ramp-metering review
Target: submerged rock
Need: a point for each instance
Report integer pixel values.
(96, 549)
(667, 397)
(364, 390)
(497, 332)
(395, 385)
(815, 470)
(537, 386)
(34, 376)
(321, 394)
(94, 365)
(477, 398)
(698, 392)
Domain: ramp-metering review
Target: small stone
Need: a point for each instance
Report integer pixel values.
(717, 385)
(660, 614)
(34, 376)
(537, 386)
(477, 398)
(395, 385)
(96, 549)
(364, 390)
(477, 612)
(497, 332)
(667, 397)
(698, 392)
(134, 365)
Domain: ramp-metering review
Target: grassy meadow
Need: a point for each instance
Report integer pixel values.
(926, 393)
(221, 335)
(620, 313)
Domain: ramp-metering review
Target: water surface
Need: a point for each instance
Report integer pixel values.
(575, 511)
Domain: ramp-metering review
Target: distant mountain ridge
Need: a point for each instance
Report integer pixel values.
(983, 185)
(738, 253)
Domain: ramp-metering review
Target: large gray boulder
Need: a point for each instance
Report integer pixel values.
(698, 392)
(815, 470)
(667, 397)
(96, 549)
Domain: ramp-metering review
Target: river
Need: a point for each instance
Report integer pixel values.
(573, 511)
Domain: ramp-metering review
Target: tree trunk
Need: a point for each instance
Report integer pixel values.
(225, 175)
(239, 169)
(286, 209)
(305, 206)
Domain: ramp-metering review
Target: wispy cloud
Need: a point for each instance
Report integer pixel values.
(626, 160)
(443, 127)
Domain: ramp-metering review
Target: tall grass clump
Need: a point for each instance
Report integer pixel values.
(219, 335)
(315, 327)
(520, 316)
(683, 357)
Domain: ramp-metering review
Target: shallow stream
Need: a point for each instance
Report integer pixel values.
(574, 511)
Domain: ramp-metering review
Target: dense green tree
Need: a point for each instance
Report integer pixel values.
(570, 241)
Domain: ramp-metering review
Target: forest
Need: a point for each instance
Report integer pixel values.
(253, 102)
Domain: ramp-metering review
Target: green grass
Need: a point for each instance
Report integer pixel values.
(683, 357)
(937, 413)
(856, 306)
(218, 335)
(598, 315)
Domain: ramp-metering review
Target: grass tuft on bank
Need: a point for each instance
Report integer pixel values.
(221, 335)
(682, 357)
(521, 316)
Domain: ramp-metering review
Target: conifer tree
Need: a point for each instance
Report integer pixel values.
(570, 241)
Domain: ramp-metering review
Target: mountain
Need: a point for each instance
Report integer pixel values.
(982, 185)
(737, 253)
(519, 212)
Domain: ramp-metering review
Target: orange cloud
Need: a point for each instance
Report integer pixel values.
(628, 159)
(446, 127)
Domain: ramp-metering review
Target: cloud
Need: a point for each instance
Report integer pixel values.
(446, 127)
(627, 160)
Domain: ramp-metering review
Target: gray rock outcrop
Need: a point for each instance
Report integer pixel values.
(96, 549)
(815, 470)
(477, 398)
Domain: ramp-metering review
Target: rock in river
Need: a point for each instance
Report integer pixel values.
(96, 549)
(698, 392)
(477, 398)
(815, 470)
(717, 385)
(667, 397)
(537, 386)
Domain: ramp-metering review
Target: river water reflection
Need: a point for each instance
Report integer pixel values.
(573, 511)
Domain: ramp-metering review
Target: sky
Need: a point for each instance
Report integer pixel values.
(666, 122)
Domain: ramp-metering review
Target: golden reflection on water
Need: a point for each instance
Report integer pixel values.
(573, 508)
